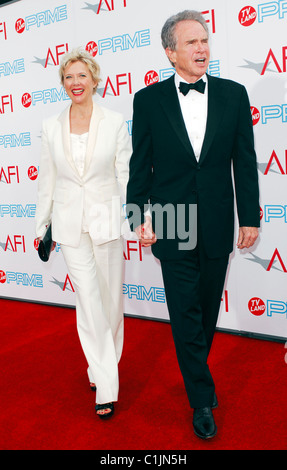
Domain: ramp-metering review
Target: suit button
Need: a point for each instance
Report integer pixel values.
(198, 168)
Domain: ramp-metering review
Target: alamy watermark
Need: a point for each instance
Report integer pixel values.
(170, 222)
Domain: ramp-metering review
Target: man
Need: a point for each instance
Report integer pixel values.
(185, 144)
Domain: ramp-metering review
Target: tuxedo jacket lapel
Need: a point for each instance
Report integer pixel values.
(171, 106)
(216, 104)
(217, 100)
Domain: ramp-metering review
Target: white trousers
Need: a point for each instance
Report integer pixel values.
(97, 274)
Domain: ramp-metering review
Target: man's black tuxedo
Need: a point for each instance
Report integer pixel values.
(163, 167)
(164, 170)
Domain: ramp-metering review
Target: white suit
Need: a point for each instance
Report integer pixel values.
(87, 220)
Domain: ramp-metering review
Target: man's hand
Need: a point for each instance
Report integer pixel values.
(145, 233)
(247, 237)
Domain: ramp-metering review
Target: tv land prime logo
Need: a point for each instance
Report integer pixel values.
(123, 42)
(50, 95)
(269, 113)
(18, 278)
(154, 76)
(23, 139)
(42, 18)
(271, 308)
(248, 14)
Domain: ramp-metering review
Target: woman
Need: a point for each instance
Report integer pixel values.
(83, 174)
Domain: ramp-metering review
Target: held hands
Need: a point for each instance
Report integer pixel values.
(145, 233)
(247, 237)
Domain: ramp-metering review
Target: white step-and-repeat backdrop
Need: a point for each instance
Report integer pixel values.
(249, 45)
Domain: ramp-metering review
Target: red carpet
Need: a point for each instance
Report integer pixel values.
(46, 403)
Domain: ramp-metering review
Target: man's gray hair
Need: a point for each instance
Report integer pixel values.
(168, 37)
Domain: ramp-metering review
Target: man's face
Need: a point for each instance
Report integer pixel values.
(192, 54)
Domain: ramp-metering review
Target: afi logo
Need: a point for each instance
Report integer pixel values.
(6, 101)
(19, 240)
(12, 171)
(105, 5)
(115, 85)
(68, 281)
(276, 257)
(210, 18)
(59, 50)
(3, 30)
(225, 301)
(133, 246)
(274, 160)
(271, 56)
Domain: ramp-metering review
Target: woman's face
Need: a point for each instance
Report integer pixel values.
(79, 83)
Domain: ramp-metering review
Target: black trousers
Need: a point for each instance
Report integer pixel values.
(194, 287)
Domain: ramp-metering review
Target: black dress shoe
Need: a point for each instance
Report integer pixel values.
(203, 423)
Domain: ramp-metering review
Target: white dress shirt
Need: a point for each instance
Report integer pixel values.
(194, 111)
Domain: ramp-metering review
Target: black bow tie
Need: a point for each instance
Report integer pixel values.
(198, 86)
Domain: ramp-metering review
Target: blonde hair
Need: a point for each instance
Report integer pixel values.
(80, 55)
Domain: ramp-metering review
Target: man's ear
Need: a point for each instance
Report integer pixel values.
(171, 56)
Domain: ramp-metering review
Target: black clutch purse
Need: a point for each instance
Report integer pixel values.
(45, 245)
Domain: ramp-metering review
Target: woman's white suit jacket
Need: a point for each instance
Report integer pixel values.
(64, 196)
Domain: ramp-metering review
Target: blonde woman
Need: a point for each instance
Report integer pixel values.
(82, 185)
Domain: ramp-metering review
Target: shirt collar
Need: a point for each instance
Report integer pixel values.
(178, 79)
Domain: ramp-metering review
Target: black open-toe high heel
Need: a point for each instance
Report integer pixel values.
(105, 406)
